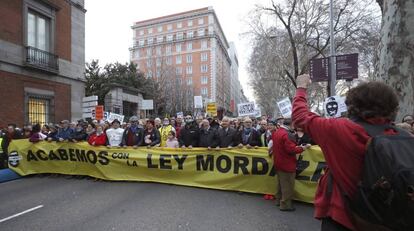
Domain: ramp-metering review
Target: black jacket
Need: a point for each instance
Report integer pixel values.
(227, 139)
(78, 136)
(155, 137)
(6, 140)
(189, 135)
(253, 139)
(138, 137)
(208, 138)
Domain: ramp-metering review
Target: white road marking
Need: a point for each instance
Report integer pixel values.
(21, 213)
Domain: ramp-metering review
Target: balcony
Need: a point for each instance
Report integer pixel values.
(42, 60)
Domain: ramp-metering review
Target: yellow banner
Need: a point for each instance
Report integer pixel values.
(246, 170)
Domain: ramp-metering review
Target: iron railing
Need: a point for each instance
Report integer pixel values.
(41, 59)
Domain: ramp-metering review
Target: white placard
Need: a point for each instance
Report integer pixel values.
(257, 112)
(198, 101)
(285, 107)
(90, 98)
(246, 109)
(147, 104)
(334, 106)
(113, 116)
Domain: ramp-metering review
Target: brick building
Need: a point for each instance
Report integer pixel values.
(42, 58)
(186, 52)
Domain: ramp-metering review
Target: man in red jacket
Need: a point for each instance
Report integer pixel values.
(343, 144)
(284, 159)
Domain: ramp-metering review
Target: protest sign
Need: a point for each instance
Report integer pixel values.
(246, 109)
(334, 106)
(285, 107)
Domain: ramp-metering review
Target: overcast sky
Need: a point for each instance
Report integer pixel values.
(109, 33)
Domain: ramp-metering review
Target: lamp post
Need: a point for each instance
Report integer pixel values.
(332, 59)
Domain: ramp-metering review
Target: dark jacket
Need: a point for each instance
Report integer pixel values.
(52, 135)
(189, 135)
(208, 138)
(138, 137)
(253, 139)
(65, 133)
(227, 138)
(155, 137)
(7, 138)
(78, 135)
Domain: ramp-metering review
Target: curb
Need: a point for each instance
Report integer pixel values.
(8, 175)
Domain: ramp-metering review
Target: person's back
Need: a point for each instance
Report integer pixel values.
(343, 144)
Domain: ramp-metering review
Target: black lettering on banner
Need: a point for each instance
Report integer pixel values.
(227, 164)
(31, 156)
(53, 156)
(301, 165)
(318, 171)
(164, 161)
(149, 162)
(63, 154)
(255, 166)
(241, 162)
(272, 171)
(72, 154)
(81, 155)
(92, 154)
(103, 157)
(208, 163)
(180, 161)
(38, 154)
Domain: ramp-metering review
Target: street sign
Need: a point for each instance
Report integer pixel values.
(90, 98)
(99, 112)
(319, 70)
(198, 102)
(285, 107)
(147, 104)
(246, 109)
(212, 109)
(347, 66)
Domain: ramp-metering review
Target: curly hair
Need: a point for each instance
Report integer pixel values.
(372, 99)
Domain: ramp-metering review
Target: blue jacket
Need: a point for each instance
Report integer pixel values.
(64, 133)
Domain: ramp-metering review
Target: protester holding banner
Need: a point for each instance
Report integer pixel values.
(157, 123)
(164, 130)
(11, 134)
(208, 135)
(65, 131)
(284, 158)
(172, 141)
(178, 125)
(52, 136)
(189, 134)
(99, 137)
(133, 135)
(79, 134)
(343, 143)
(114, 134)
(249, 137)
(37, 134)
(151, 135)
(226, 134)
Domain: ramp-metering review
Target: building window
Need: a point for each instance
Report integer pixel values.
(169, 27)
(204, 57)
(200, 21)
(179, 25)
(136, 52)
(150, 30)
(204, 91)
(189, 81)
(204, 68)
(150, 40)
(141, 42)
(149, 51)
(189, 58)
(178, 59)
(158, 62)
(149, 63)
(141, 32)
(168, 60)
(160, 39)
(149, 74)
(169, 38)
(168, 49)
(38, 31)
(159, 28)
(204, 80)
(180, 35)
(190, 23)
(178, 70)
(204, 44)
(38, 110)
(158, 50)
(200, 32)
(189, 46)
(158, 74)
(190, 34)
(178, 47)
(189, 70)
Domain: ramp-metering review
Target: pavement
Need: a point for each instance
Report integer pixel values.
(65, 203)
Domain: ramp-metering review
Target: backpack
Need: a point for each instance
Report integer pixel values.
(385, 195)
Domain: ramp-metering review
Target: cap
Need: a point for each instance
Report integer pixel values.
(133, 119)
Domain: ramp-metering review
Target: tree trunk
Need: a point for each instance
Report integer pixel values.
(396, 52)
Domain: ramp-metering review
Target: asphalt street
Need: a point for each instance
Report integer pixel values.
(59, 203)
